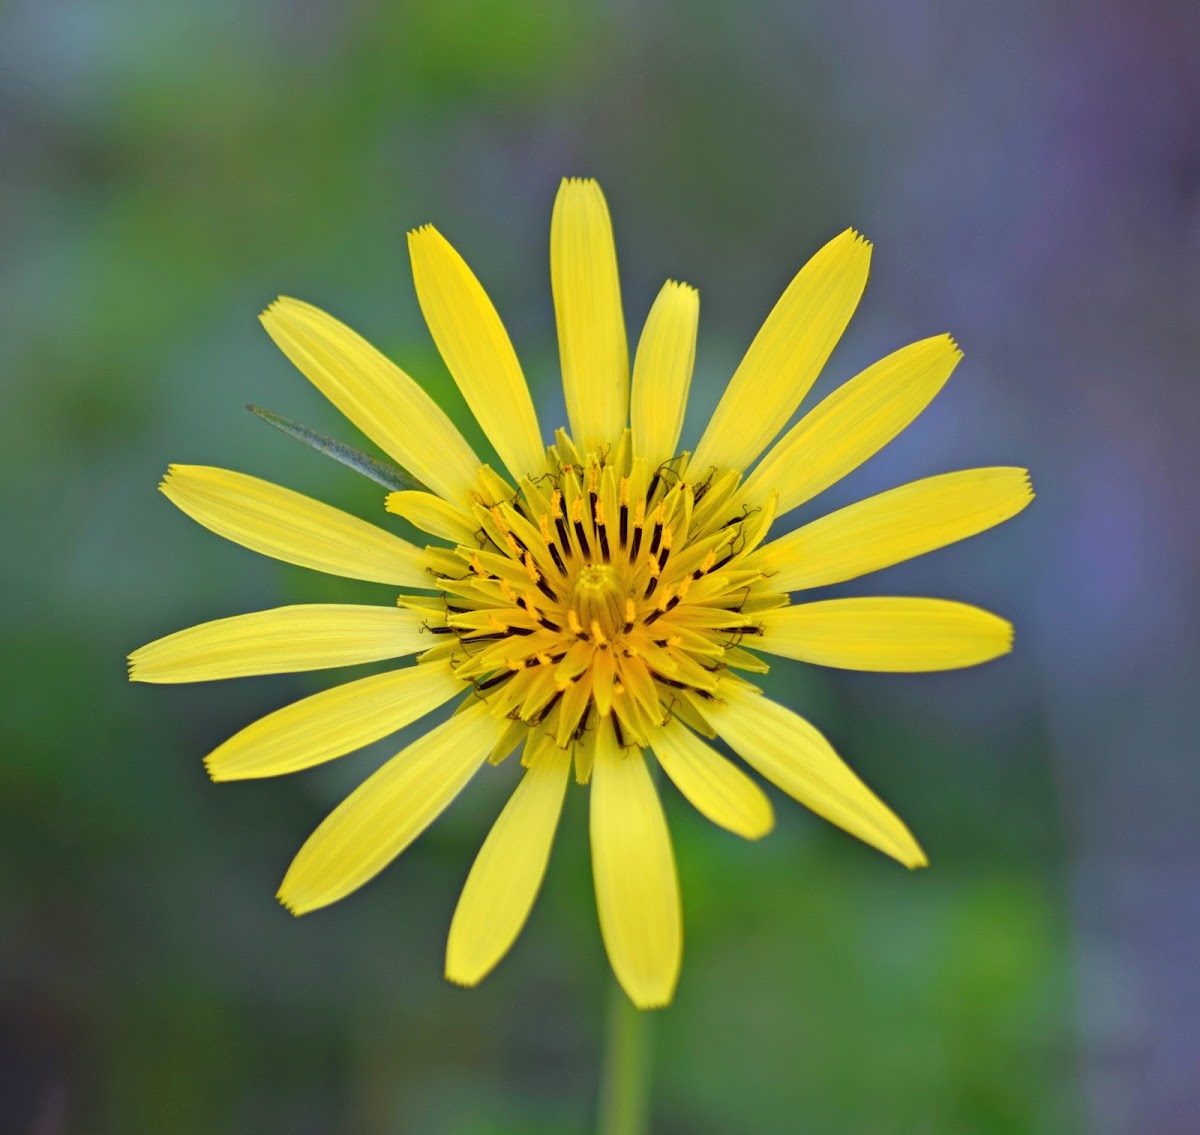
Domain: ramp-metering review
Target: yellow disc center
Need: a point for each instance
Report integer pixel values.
(599, 599)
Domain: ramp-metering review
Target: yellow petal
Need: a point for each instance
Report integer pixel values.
(714, 787)
(283, 640)
(855, 422)
(376, 395)
(894, 526)
(477, 351)
(434, 515)
(587, 307)
(662, 372)
(788, 751)
(333, 722)
(508, 872)
(290, 526)
(389, 810)
(891, 633)
(637, 892)
(787, 355)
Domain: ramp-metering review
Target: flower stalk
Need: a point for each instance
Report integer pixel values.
(625, 1073)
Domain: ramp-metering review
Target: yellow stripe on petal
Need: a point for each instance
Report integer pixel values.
(892, 633)
(714, 787)
(434, 515)
(332, 723)
(376, 395)
(894, 526)
(787, 355)
(283, 640)
(662, 372)
(292, 527)
(587, 307)
(637, 891)
(788, 751)
(855, 422)
(477, 351)
(389, 810)
(508, 871)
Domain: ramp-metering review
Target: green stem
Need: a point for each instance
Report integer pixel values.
(625, 1075)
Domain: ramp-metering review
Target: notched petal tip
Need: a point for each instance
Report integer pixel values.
(652, 1002)
(856, 238)
(277, 307)
(422, 233)
(287, 903)
(460, 978)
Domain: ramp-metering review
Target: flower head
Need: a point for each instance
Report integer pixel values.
(599, 598)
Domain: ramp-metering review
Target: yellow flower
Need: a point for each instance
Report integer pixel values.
(596, 600)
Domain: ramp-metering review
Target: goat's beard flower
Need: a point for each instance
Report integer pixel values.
(601, 599)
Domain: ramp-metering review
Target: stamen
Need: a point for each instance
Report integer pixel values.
(598, 634)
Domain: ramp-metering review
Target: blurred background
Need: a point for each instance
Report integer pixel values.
(1030, 175)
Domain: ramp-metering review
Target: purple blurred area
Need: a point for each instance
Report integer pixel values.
(1030, 177)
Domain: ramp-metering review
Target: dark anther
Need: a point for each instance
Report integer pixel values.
(560, 523)
(624, 524)
(587, 551)
(495, 681)
(544, 712)
(671, 682)
(617, 730)
(558, 560)
(546, 589)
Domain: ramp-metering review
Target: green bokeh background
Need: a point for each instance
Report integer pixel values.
(1025, 174)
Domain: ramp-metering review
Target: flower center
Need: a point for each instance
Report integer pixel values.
(598, 599)
(603, 587)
